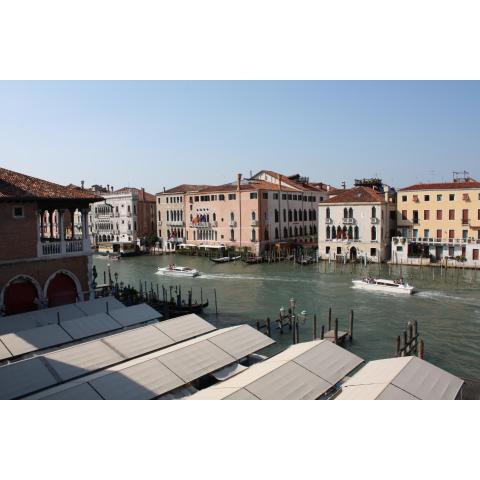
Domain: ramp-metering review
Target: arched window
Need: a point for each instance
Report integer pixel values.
(290, 232)
(350, 212)
(350, 232)
(296, 231)
(285, 233)
(374, 232)
(300, 215)
(232, 234)
(328, 212)
(254, 236)
(266, 235)
(301, 231)
(276, 216)
(345, 213)
(295, 216)
(289, 215)
(334, 233)
(284, 215)
(328, 232)
(215, 235)
(305, 215)
(374, 212)
(214, 217)
(339, 232)
(344, 232)
(232, 216)
(254, 216)
(355, 233)
(314, 214)
(276, 232)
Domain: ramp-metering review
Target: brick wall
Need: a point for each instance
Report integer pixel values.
(18, 236)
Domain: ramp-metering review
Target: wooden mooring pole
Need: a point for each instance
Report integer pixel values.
(314, 333)
(216, 307)
(329, 318)
(350, 325)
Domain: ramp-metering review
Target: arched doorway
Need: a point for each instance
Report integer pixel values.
(353, 254)
(20, 296)
(61, 290)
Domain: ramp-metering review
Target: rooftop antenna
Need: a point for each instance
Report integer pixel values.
(344, 185)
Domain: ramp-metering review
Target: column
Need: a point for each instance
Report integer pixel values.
(85, 235)
(61, 230)
(39, 232)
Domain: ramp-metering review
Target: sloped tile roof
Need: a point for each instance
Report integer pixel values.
(442, 186)
(14, 185)
(183, 188)
(357, 195)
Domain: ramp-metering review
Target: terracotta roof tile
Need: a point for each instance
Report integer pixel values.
(357, 195)
(14, 185)
(184, 188)
(442, 186)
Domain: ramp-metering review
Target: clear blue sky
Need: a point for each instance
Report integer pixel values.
(156, 134)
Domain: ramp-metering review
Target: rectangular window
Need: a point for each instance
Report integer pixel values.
(415, 233)
(289, 196)
(426, 214)
(464, 234)
(339, 250)
(159, 200)
(451, 197)
(426, 233)
(221, 196)
(275, 196)
(404, 215)
(451, 214)
(284, 196)
(232, 196)
(399, 248)
(265, 195)
(18, 212)
(197, 198)
(439, 198)
(439, 234)
(475, 254)
(415, 216)
(426, 198)
(404, 198)
(439, 214)
(451, 234)
(373, 252)
(253, 195)
(327, 250)
(464, 217)
(478, 214)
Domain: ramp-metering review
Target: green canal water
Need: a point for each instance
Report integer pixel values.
(447, 307)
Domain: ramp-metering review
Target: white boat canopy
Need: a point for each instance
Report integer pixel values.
(401, 378)
(302, 371)
(158, 373)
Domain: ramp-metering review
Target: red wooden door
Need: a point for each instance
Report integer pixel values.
(61, 291)
(20, 297)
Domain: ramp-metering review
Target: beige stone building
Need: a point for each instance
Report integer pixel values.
(438, 222)
(356, 225)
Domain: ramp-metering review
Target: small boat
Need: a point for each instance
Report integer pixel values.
(176, 271)
(114, 256)
(305, 260)
(382, 285)
(225, 259)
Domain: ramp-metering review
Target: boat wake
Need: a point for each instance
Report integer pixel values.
(259, 278)
(441, 296)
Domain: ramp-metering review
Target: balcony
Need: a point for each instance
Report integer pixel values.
(232, 223)
(329, 221)
(465, 221)
(176, 223)
(203, 225)
(348, 221)
(375, 221)
(254, 223)
(66, 248)
(436, 241)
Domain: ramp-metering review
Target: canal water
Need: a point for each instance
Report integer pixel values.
(447, 307)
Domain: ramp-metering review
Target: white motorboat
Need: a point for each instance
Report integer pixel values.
(382, 285)
(176, 271)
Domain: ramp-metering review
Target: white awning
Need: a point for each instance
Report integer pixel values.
(303, 371)
(400, 378)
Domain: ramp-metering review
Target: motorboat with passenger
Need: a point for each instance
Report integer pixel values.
(382, 285)
(177, 271)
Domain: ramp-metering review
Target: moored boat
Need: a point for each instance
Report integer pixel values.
(225, 259)
(177, 271)
(382, 285)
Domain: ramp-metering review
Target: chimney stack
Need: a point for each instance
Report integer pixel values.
(239, 180)
(112, 188)
(83, 184)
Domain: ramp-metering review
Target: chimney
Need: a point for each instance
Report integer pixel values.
(386, 190)
(83, 184)
(239, 180)
(112, 188)
(108, 187)
(143, 194)
(164, 189)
